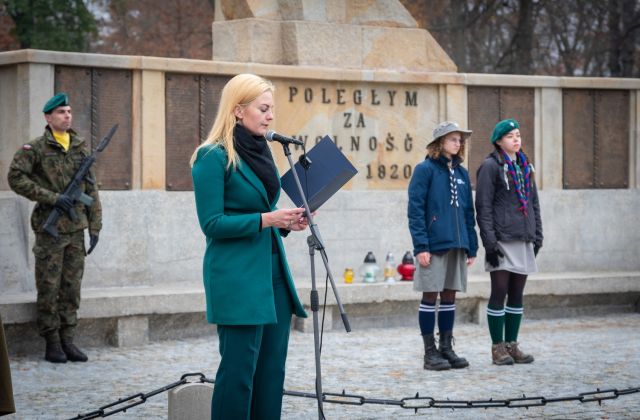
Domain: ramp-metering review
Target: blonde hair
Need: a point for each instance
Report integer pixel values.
(434, 149)
(241, 90)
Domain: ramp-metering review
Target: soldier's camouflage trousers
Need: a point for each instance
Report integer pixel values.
(59, 269)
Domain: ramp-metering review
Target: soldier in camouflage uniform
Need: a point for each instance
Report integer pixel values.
(40, 170)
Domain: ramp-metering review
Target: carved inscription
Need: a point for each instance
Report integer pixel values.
(382, 129)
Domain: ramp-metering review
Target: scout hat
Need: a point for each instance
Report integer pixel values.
(447, 127)
(60, 99)
(502, 128)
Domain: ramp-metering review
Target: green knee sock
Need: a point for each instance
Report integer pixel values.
(512, 319)
(495, 319)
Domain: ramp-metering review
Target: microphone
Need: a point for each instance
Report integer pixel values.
(273, 136)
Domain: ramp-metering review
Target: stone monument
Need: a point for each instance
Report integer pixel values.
(352, 34)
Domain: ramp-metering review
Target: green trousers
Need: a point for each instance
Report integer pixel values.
(250, 378)
(59, 269)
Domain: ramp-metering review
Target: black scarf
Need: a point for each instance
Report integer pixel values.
(255, 152)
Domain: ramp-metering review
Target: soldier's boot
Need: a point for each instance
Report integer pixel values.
(446, 350)
(433, 360)
(54, 353)
(500, 354)
(518, 355)
(74, 354)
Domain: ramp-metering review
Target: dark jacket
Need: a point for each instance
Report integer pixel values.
(436, 225)
(41, 169)
(497, 206)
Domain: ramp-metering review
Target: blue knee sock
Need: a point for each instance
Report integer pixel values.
(427, 317)
(446, 316)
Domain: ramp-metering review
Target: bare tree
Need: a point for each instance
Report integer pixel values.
(623, 26)
(569, 37)
(174, 28)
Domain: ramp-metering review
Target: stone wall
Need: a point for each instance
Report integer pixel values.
(160, 243)
(151, 238)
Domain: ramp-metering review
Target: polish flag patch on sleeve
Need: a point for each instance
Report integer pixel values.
(27, 147)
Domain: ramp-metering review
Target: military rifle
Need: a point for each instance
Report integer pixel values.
(73, 187)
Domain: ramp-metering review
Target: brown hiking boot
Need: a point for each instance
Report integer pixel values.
(517, 354)
(500, 354)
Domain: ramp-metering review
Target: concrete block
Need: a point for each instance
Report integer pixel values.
(146, 254)
(550, 112)
(153, 165)
(10, 142)
(178, 326)
(190, 402)
(457, 106)
(367, 12)
(315, 43)
(16, 258)
(25, 89)
(309, 43)
(248, 40)
(377, 13)
(132, 331)
(403, 49)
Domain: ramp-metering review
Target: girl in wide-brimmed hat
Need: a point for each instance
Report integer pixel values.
(441, 222)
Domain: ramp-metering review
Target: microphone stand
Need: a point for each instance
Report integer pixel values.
(314, 241)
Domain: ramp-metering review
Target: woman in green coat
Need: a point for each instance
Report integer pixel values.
(248, 286)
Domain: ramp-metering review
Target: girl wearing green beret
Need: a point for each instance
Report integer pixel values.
(508, 214)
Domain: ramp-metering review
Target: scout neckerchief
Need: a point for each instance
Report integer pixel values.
(453, 184)
(521, 181)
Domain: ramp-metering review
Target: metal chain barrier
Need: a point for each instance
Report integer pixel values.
(412, 403)
(123, 404)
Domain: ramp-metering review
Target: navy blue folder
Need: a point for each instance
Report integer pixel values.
(329, 171)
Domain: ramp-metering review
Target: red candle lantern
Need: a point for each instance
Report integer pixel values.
(407, 268)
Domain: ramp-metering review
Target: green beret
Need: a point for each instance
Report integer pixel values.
(502, 128)
(60, 99)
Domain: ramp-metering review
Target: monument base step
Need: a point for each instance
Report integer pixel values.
(133, 316)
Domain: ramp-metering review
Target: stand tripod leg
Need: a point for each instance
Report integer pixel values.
(315, 242)
(315, 306)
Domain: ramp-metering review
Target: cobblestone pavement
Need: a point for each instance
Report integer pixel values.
(572, 356)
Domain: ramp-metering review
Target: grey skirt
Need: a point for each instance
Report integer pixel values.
(448, 271)
(518, 258)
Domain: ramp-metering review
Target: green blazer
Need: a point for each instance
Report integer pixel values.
(237, 261)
